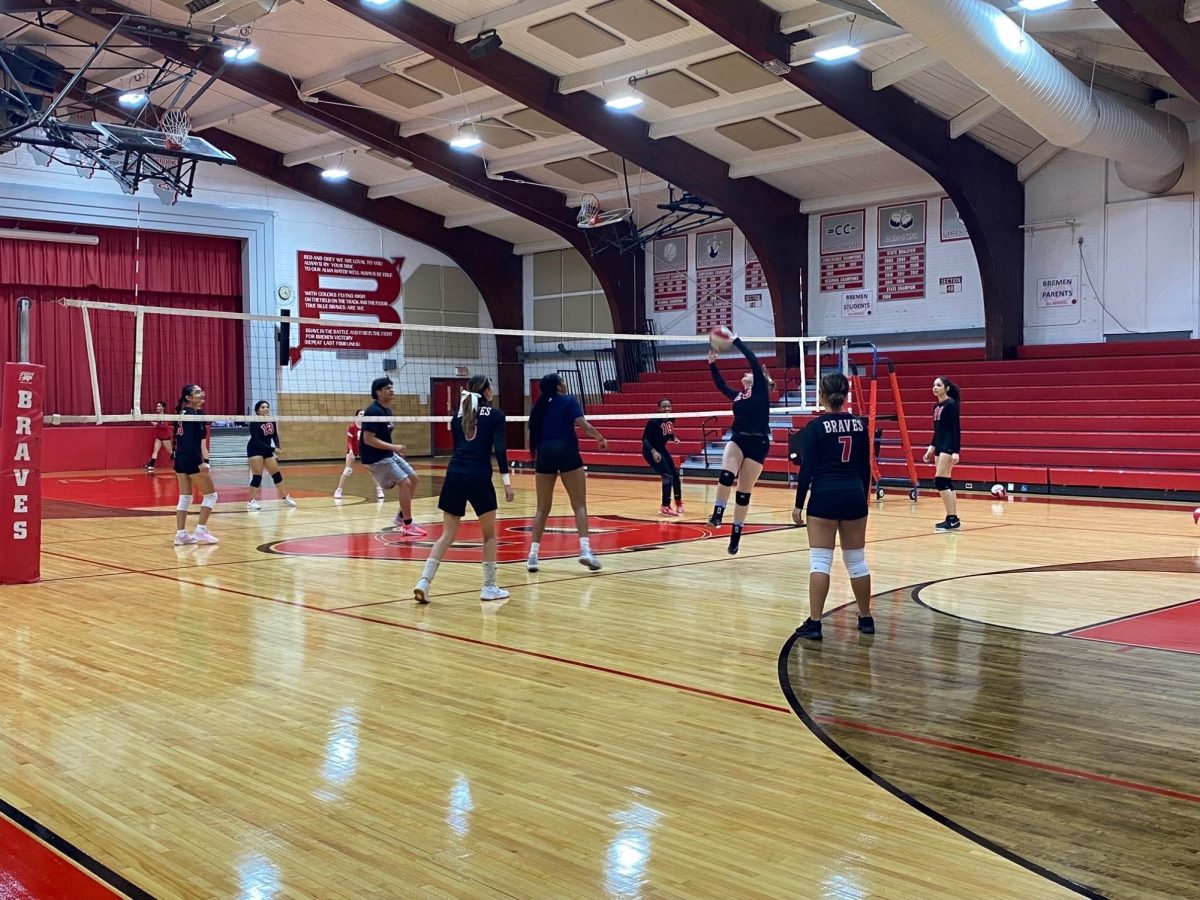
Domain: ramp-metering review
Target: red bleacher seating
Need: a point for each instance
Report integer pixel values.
(1124, 417)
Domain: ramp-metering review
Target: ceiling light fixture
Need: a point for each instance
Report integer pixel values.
(465, 139)
(627, 99)
(50, 237)
(133, 98)
(335, 173)
(1035, 5)
(487, 42)
(833, 54)
(242, 53)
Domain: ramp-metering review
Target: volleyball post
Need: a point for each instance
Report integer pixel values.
(21, 394)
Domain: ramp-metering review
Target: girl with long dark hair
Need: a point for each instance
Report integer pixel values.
(261, 453)
(656, 435)
(946, 446)
(478, 431)
(555, 448)
(162, 438)
(192, 469)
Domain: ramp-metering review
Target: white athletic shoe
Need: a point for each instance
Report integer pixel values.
(421, 591)
(531, 564)
(379, 494)
(337, 495)
(491, 592)
(253, 506)
(589, 559)
(182, 540)
(205, 537)
(288, 501)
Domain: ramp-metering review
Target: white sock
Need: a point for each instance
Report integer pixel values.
(431, 567)
(182, 532)
(489, 574)
(585, 546)
(533, 548)
(201, 529)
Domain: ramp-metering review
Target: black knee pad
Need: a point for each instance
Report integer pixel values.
(255, 481)
(742, 498)
(943, 484)
(277, 477)
(726, 478)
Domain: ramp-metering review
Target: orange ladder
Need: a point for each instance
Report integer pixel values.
(872, 405)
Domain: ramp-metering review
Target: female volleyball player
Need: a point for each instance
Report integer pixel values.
(260, 451)
(835, 476)
(162, 437)
(555, 447)
(947, 444)
(657, 434)
(191, 468)
(382, 457)
(744, 455)
(478, 431)
(353, 433)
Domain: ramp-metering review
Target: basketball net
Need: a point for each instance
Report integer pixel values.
(176, 125)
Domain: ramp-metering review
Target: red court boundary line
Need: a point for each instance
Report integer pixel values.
(697, 691)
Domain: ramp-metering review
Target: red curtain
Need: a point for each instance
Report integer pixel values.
(175, 271)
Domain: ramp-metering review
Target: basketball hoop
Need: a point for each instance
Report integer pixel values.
(176, 125)
(590, 215)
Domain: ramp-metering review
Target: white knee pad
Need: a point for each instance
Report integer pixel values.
(184, 503)
(820, 559)
(209, 501)
(856, 562)
(346, 472)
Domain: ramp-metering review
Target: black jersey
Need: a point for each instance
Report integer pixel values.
(657, 434)
(381, 430)
(474, 456)
(947, 432)
(263, 436)
(752, 408)
(189, 437)
(835, 453)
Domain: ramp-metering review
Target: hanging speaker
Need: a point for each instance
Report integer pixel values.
(284, 335)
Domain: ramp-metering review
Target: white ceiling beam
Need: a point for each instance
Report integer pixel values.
(507, 15)
(905, 67)
(713, 117)
(796, 156)
(416, 182)
(866, 34)
(621, 70)
(539, 156)
(808, 16)
(490, 106)
(618, 193)
(395, 53)
(478, 217)
(1037, 158)
(224, 115)
(540, 246)
(1049, 20)
(318, 152)
(973, 115)
(870, 198)
(1191, 11)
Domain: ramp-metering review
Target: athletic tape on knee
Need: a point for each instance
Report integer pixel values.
(255, 481)
(209, 501)
(277, 477)
(820, 560)
(726, 478)
(856, 562)
(184, 503)
(347, 472)
(943, 484)
(742, 498)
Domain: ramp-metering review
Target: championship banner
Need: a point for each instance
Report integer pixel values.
(670, 274)
(843, 251)
(756, 278)
(714, 279)
(21, 473)
(901, 242)
(340, 285)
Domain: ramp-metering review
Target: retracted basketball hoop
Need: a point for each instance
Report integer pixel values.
(591, 216)
(176, 126)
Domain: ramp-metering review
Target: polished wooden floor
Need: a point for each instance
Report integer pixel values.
(274, 717)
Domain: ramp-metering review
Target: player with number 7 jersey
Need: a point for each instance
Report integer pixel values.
(835, 467)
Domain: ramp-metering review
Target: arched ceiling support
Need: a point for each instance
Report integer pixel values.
(1161, 29)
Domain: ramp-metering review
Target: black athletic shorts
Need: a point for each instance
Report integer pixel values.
(187, 465)
(842, 501)
(459, 490)
(266, 452)
(753, 447)
(556, 457)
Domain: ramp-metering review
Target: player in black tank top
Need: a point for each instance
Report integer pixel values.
(947, 444)
(191, 468)
(835, 476)
(657, 434)
(478, 430)
(744, 455)
(261, 453)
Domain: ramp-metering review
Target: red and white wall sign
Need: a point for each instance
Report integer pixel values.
(714, 279)
(21, 473)
(901, 241)
(843, 246)
(335, 284)
(670, 273)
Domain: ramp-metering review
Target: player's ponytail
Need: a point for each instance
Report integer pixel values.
(835, 387)
(952, 389)
(547, 388)
(184, 393)
(468, 406)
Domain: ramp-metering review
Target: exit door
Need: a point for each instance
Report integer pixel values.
(444, 396)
